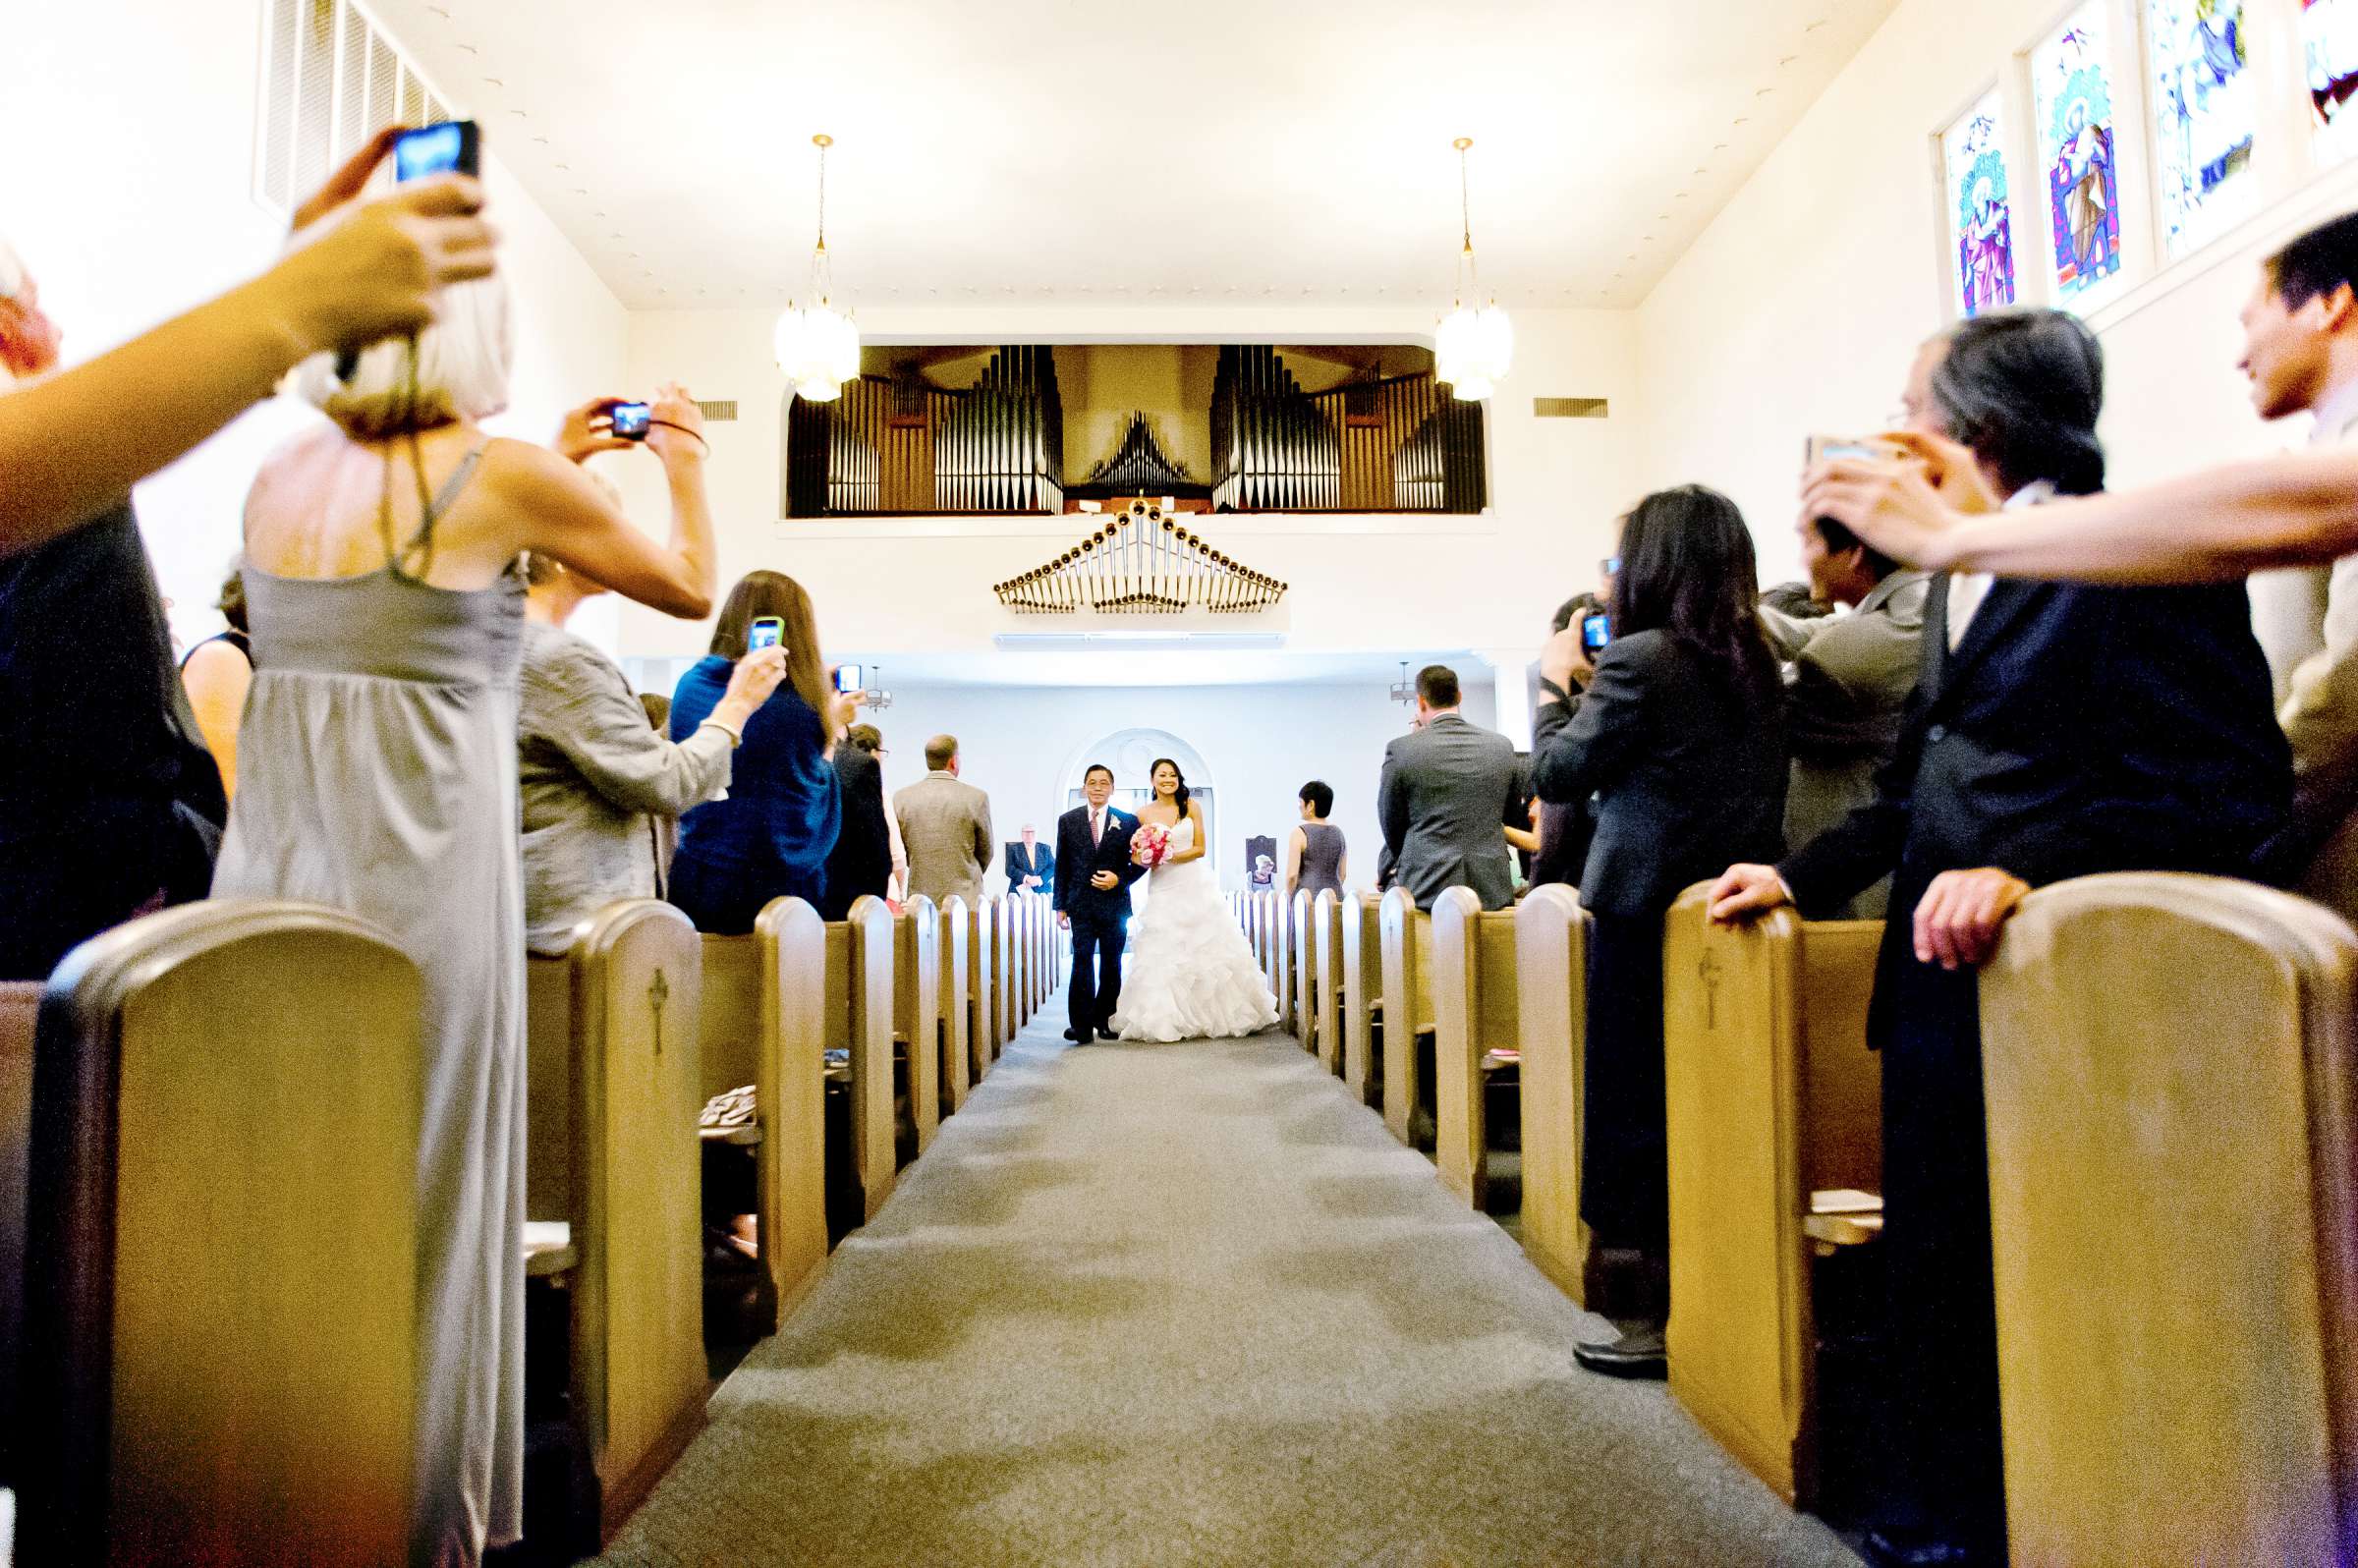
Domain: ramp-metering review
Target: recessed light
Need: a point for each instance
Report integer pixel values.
(1786, 60)
(1764, 92)
(566, 166)
(540, 141)
(493, 81)
(580, 189)
(519, 114)
(1743, 119)
(466, 48)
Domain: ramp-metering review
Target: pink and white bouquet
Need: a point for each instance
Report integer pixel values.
(1149, 846)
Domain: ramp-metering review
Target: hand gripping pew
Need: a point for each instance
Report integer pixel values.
(956, 926)
(2173, 1181)
(1301, 1003)
(1326, 978)
(1360, 929)
(1551, 977)
(1407, 1005)
(1474, 1013)
(219, 1339)
(917, 1010)
(1773, 1110)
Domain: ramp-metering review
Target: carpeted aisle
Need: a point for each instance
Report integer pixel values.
(1186, 1304)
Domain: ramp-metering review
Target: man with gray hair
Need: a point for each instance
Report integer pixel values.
(945, 827)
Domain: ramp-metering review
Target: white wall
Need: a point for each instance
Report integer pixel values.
(1797, 310)
(1026, 745)
(130, 200)
(1357, 584)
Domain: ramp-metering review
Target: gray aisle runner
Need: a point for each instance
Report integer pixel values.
(1187, 1303)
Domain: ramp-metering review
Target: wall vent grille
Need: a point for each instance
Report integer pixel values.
(330, 79)
(1569, 409)
(718, 413)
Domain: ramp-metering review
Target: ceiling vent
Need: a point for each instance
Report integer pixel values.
(718, 413)
(1569, 409)
(329, 82)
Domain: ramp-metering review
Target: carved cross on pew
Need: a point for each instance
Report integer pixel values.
(1709, 971)
(658, 991)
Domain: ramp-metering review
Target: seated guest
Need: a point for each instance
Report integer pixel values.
(1849, 682)
(598, 784)
(2056, 731)
(771, 835)
(1564, 828)
(216, 673)
(947, 825)
(1315, 860)
(861, 864)
(1031, 865)
(1674, 729)
(1447, 788)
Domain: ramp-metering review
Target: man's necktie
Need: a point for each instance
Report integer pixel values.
(1097, 828)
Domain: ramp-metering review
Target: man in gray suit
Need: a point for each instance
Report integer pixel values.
(945, 827)
(1448, 790)
(1848, 683)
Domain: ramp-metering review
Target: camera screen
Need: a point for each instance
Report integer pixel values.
(764, 632)
(435, 150)
(1595, 631)
(631, 421)
(848, 678)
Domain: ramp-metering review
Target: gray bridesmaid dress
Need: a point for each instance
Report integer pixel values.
(378, 773)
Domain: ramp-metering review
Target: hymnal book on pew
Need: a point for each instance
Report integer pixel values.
(1845, 1200)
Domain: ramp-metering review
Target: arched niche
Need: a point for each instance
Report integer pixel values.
(1131, 753)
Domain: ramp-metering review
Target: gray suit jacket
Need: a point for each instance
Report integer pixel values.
(1447, 793)
(945, 827)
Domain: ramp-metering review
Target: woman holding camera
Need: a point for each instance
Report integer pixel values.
(771, 836)
(1677, 729)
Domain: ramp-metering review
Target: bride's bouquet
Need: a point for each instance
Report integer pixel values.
(1149, 846)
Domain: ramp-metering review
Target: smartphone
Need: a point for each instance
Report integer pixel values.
(455, 146)
(631, 421)
(850, 678)
(768, 631)
(1822, 448)
(1595, 631)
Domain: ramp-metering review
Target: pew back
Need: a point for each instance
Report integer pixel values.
(728, 1017)
(20, 1009)
(1772, 1094)
(917, 1009)
(870, 961)
(1358, 924)
(1004, 979)
(1474, 1010)
(1407, 1003)
(1300, 1001)
(982, 1008)
(789, 1084)
(1326, 973)
(957, 931)
(2174, 1208)
(1551, 974)
(206, 1378)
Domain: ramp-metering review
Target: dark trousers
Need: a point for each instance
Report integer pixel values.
(1624, 1171)
(122, 859)
(1096, 987)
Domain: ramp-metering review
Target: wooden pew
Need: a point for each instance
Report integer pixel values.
(1256, 934)
(1773, 1096)
(1327, 972)
(1551, 979)
(1018, 973)
(1407, 946)
(866, 1012)
(957, 927)
(220, 1331)
(19, 1008)
(1474, 1012)
(1302, 1001)
(980, 989)
(1358, 924)
(917, 1010)
(1280, 954)
(2173, 1181)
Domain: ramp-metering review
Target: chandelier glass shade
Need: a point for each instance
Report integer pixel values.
(1475, 343)
(818, 346)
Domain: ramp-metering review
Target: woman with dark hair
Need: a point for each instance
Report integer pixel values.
(1190, 975)
(2056, 731)
(1676, 731)
(771, 836)
(1314, 858)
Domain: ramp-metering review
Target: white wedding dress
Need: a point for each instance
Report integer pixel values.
(1190, 974)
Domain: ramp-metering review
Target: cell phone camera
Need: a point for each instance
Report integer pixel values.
(632, 420)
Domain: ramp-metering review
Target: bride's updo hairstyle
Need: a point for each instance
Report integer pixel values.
(1179, 797)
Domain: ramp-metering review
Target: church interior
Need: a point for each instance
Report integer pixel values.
(1873, 1080)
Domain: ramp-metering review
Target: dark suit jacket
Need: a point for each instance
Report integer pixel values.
(1043, 868)
(1078, 859)
(861, 862)
(1447, 793)
(1689, 776)
(2075, 730)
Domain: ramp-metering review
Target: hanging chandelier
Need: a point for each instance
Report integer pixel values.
(1475, 343)
(818, 346)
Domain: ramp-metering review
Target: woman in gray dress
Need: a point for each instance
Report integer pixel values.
(1315, 860)
(378, 773)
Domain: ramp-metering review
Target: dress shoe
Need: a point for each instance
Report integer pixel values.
(1638, 1353)
(1894, 1548)
(1076, 1036)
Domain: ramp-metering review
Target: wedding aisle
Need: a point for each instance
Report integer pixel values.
(1186, 1304)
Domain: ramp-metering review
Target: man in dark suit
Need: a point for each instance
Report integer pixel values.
(862, 861)
(1031, 865)
(1448, 791)
(1093, 875)
(2057, 730)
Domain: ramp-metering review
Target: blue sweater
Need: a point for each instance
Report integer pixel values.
(771, 837)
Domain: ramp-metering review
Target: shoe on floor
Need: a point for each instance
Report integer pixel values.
(1638, 1353)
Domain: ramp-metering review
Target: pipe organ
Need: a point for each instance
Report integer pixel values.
(892, 448)
(1399, 444)
(1140, 563)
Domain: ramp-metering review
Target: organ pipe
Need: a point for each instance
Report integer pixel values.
(1140, 563)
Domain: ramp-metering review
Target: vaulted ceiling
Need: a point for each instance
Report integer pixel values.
(1062, 152)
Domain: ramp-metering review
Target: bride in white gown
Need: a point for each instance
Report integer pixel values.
(1190, 975)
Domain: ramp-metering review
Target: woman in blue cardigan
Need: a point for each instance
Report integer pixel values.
(771, 835)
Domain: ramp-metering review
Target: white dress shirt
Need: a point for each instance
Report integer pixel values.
(1967, 589)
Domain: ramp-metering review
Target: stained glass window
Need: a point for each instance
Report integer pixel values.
(2329, 53)
(2205, 109)
(2071, 85)
(1981, 207)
